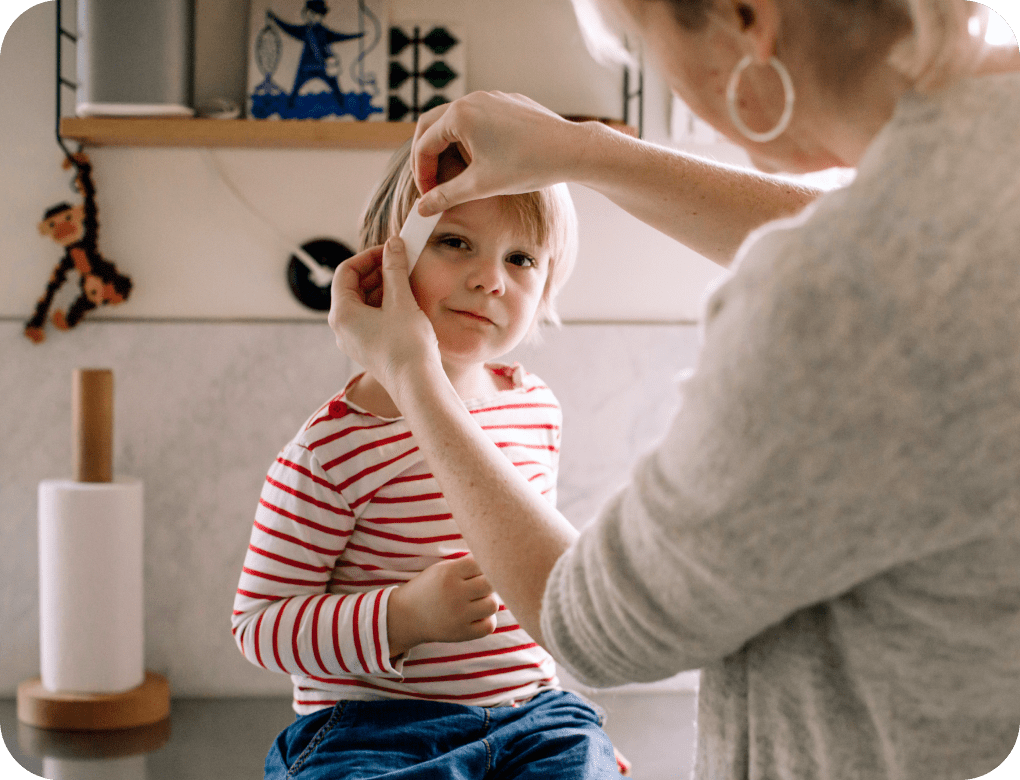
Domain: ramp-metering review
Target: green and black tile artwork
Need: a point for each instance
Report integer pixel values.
(426, 69)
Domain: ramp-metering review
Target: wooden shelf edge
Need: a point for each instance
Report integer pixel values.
(246, 133)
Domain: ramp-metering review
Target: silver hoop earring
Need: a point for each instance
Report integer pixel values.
(788, 97)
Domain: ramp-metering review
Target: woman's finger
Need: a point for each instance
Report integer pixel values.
(396, 286)
(346, 293)
(372, 287)
(365, 261)
(358, 271)
(350, 273)
(374, 298)
(429, 142)
(460, 189)
(347, 283)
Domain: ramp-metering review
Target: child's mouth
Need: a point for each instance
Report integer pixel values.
(473, 316)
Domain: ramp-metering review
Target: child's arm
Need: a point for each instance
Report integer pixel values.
(284, 618)
(451, 601)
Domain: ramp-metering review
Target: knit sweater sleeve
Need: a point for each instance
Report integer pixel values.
(805, 458)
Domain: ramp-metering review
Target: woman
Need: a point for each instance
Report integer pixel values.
(829, 528)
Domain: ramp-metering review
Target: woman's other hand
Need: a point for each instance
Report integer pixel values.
(375, 318)
(510, 143)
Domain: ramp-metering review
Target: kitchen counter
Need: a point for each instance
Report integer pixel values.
(204, 739)
(227, 739)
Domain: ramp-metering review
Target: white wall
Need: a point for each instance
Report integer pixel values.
(202, 407)
(194, 252)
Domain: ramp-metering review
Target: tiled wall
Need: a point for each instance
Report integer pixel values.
(200, 412)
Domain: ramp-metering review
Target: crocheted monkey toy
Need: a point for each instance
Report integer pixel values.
(76, 229)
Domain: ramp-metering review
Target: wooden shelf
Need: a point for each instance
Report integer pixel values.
(248, 133)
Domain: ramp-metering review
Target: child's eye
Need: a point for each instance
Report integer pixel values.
(454, 242)
(522, 260)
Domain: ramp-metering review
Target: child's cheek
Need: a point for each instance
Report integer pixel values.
(423, 295)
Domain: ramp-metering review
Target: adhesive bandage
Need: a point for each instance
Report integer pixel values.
(416, 232)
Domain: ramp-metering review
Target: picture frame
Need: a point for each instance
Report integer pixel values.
(318, 59)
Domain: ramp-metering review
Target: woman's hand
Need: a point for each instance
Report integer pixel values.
(451, 601)
(376, 319)
(510, 143)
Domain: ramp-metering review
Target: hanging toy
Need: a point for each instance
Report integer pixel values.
(76, 229)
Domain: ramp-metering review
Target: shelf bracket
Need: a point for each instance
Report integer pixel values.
(62, 82)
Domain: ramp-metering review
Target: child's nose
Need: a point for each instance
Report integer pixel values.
(487, 276)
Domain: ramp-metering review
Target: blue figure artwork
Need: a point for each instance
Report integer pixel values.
(318, 61)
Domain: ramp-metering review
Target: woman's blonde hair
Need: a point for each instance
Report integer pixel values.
(929, 41)
(548, 216)
(941, 45)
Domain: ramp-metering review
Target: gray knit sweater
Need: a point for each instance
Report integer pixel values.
(830, 528)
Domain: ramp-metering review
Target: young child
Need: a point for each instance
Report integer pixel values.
(357, 582)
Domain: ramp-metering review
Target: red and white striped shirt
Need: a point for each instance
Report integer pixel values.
(350, 510)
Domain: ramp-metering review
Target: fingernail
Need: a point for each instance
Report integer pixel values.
(395, 243)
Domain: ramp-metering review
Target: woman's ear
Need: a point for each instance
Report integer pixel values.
(757, 23)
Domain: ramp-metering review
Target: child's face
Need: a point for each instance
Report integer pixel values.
(479, 280)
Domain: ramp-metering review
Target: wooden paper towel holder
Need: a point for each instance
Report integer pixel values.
(63, 711)
(92, 423)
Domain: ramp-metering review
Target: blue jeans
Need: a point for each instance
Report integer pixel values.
(554, 735)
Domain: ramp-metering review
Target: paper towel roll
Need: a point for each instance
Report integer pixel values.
(91, 610)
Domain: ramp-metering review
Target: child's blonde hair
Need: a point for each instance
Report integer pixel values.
(547, 215)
